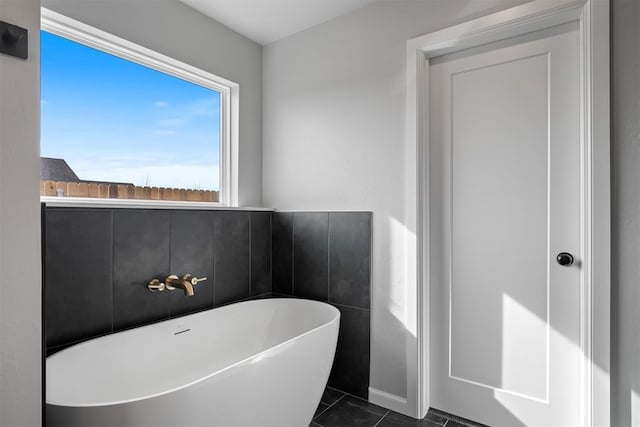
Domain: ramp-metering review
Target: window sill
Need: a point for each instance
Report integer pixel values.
(81, 202)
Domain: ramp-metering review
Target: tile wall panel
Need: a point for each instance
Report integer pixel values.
(350, 370)
(99, 261)
(231, 255)
(310, 255)
(282, 262)
(78, 270)
(260, 253)
(191, 250)
(140, 253)
(329, 260)
(350, 258)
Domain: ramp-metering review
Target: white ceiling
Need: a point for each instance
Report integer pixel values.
(265, 21)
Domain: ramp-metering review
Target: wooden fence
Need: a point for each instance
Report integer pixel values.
(119, 191)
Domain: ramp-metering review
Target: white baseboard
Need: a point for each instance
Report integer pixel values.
(390, 401)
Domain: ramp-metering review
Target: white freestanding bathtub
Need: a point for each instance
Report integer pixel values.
(252, 364)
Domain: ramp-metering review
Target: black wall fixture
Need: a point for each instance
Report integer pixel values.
(14, 40)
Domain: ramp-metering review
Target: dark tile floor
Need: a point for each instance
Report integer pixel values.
(338, 409)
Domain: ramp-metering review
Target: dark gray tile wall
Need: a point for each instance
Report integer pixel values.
(141, 242)
(327, 256)
(78, 266)
(260, 253)
(282, 263)
(351, 363)
(232, 252)
(310, 255)
(99, 261)
(350, 259)
(192, 251)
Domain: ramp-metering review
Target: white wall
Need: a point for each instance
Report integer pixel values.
(20, 288)
(178, 31)
(625, 233)
(333, 114)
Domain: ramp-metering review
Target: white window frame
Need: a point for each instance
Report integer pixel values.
(63, 26)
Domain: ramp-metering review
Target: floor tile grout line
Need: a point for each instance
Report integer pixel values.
(383, 417)
(354, 396)
(329, 407)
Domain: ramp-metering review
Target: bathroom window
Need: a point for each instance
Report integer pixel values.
(119, 121)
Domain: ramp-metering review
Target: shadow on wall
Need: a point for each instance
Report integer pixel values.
(625, 155)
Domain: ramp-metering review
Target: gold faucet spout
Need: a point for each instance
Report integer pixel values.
(188, 288)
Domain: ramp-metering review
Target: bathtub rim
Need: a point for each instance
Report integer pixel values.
(336, 318)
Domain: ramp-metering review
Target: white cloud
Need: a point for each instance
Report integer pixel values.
(161, 104)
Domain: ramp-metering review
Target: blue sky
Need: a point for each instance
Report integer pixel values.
(114, 120)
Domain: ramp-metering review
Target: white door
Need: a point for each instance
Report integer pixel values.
(505, 201)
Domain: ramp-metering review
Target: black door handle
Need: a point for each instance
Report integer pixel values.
(565, 259)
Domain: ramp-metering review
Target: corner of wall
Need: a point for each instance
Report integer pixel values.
(20, 306)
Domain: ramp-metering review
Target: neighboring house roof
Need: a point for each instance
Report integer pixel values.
(56, 170)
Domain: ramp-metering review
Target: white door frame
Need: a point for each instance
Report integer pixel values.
(593, 18)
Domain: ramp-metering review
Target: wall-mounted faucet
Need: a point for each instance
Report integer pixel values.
(172, 282)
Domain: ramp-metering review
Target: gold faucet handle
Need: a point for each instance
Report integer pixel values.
(156, 285)
(170, 281)
(194, 280)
